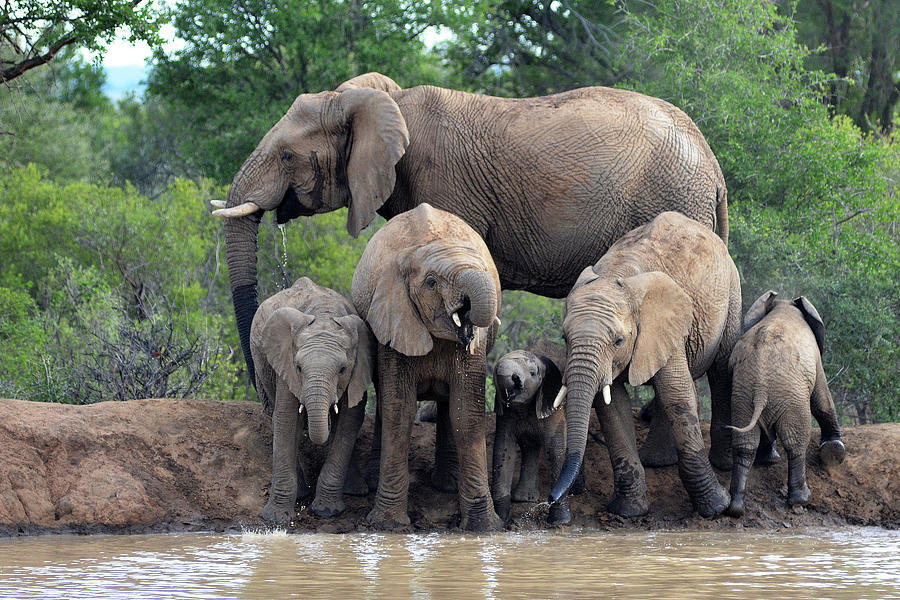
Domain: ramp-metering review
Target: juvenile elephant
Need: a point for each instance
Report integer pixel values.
(579, 169)
(315, 356)
(427, 286)
(527, 383)
(778, 381)
(662, 306)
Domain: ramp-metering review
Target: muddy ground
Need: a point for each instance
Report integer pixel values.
(163, 465)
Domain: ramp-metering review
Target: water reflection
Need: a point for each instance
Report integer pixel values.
(851, 563)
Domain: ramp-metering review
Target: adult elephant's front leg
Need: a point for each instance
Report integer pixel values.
(676, 390)
(283, 493)
(629, 480)
(467, 416)
(398, 411)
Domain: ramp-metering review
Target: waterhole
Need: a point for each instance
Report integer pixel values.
(848, 563)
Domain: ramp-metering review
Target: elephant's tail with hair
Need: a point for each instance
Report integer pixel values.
(759, 403)
(722, 212)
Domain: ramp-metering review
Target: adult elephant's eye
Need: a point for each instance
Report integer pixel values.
(286, 156)
(343, 369)
(430, 282)
(619, 341)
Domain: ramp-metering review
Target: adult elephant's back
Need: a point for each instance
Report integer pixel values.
(549, 183)
(552, 182)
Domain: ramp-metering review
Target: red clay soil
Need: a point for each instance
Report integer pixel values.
(165, 465)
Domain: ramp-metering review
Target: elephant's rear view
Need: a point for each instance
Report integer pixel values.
(427, 286)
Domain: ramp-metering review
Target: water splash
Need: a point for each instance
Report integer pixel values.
(282, 259)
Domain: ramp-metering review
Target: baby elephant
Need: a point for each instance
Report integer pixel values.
(527, 383)
(778, 381)
(314, 356)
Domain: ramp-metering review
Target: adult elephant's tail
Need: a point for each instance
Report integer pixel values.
(722, 212)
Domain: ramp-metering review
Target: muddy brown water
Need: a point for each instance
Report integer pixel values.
(847, 563)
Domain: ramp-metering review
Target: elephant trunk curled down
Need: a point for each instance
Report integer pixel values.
(568, 174)
(427, 286)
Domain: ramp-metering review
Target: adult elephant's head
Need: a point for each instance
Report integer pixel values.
(330, 150)
(611, 324)
(426, 274)
(320, 359)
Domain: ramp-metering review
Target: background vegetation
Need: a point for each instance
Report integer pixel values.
(112, 278)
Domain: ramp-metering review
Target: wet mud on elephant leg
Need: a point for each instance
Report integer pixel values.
(445, 476)
(629, 481)
(398, 412)
(675, 388)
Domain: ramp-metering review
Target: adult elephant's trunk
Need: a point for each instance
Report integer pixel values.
(480, 288)
(582, 379)
(240, 247)
(319, 394)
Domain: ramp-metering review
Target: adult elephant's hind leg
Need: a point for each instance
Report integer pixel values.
(398, 410)
(467, 416)
(629, 481)
(659, 446)
(445, 476)
(676, 390)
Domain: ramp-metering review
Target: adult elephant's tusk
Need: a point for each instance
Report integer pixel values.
(497, 321)
(242, 210)
(607, 397)
(217, 203)
(560, 397)
(456, 320)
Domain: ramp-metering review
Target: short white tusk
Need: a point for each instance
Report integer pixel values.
(242, 210)
(335, 409)
(607, 398)
(560, 397)
(456, 320)
(497, 321)
(217, 203)
(300, 412)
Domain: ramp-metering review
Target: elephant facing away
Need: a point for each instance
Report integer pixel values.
(662, 306)
(527, 383)
(427, 286)
(315, 357)
(778, 382)
(549, 183)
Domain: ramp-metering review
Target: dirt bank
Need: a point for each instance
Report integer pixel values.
(175, 465)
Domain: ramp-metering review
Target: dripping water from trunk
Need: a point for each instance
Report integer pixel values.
(282, 258)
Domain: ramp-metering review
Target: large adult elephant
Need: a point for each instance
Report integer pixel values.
(549, 183)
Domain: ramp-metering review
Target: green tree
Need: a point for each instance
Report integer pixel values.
(33, 32)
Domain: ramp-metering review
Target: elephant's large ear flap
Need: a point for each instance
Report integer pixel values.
(394, 318)
(549, 389)
(278, 344)
(364, 363)
(759, 309)
(498, 401)
(665, 315)
(812, 318)
(372, 80)
(378, 139)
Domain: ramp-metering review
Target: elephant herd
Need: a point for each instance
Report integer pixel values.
(606, 197)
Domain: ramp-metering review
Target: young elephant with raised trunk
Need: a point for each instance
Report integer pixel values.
(427, 286)
(527, 383)
(778, 382)
(663, 306)
(315, 359)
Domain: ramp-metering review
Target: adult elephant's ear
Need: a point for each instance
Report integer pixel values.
(378, 139)
(812, 318)
(373, 80)
(759, 309)
(278, 344)
(664, 319)
(361, 376)
(549, 389)
(391, 314)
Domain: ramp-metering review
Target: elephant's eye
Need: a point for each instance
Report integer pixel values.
(619, 341)
(343, 369)
(286, 156)
(430, 282)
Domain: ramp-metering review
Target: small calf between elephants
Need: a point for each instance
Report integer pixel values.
(778, 382)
